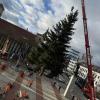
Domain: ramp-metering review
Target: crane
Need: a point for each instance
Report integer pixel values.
(89, 88)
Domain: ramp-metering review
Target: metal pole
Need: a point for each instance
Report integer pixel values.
(90, 81)
(68, 85)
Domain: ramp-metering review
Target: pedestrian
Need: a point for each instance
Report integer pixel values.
(30, 82)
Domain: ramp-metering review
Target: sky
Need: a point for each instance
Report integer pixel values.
(39, 15)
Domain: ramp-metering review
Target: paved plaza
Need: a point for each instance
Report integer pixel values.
(41, 89)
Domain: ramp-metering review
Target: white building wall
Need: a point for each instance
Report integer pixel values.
(72, 66)
(83, 73)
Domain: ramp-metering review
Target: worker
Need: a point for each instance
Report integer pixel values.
(7, 87)
(23, 94)
(30, 82)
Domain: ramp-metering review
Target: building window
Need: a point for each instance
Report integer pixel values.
(98, 77)
(94, 75)
(81, 69)
(96, 83)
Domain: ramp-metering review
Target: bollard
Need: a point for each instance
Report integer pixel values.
(21, 74)
(3, 66)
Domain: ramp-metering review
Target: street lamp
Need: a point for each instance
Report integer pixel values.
(1, 9)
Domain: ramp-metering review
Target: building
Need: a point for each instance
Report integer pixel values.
(72, 66)
(83, 71)
(79, 66)
(73, 54)
(73, 57)
(15, 40)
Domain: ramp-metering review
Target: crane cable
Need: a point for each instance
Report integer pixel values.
(74, 3)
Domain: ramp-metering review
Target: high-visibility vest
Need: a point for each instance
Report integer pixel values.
(30, 82)
(7, 88)
(22, 94)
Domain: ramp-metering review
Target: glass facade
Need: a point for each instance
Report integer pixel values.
(14, 47)
(2, 41)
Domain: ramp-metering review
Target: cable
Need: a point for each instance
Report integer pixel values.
(75, 4)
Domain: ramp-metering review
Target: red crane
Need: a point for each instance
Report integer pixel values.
(89, 88)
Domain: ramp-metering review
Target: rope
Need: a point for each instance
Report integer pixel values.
(74, 3)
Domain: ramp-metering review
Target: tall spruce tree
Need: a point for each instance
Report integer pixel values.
(57, 42)
(53, 50)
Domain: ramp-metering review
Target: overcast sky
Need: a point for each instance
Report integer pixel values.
(38, 15)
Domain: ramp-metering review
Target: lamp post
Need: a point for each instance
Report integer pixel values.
(1, 9)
